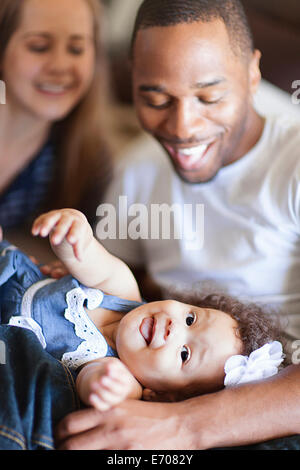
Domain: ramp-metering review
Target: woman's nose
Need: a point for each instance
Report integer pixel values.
(59, 60)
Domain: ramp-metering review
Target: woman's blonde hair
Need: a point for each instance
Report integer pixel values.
(84, 166)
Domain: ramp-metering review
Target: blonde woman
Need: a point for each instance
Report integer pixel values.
(52, 151)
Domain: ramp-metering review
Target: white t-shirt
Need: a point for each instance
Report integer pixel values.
(247, 241)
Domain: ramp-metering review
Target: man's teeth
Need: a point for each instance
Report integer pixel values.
(194, 150)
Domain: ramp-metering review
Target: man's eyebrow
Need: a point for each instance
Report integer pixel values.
(161, 89)
(210, 83)
(152, 88)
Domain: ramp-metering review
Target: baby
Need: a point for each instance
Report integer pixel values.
(95, 322)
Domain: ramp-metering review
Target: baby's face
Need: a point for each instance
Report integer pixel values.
(171, 346)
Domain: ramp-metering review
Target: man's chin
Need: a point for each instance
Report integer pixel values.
(194, 177)
(203, 174)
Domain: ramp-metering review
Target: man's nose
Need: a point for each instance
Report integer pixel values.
(185, 122)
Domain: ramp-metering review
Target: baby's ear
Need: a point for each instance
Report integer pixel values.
(151, 395)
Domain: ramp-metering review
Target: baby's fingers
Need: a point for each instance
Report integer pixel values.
(98, 403)
(109, 392)
(76, 238)
(61, 230)
(44, 224)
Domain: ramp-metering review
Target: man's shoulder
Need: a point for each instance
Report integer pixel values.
(144, 154)
(281, 141)
(284, 127)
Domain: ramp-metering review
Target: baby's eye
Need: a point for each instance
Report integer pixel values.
(185, 354)
(190, 318)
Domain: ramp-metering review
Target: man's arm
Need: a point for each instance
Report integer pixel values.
(237, 416)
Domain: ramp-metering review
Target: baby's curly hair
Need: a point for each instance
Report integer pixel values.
(257, 325)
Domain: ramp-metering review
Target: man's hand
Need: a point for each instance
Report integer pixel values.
(133, 425)
(247, 414)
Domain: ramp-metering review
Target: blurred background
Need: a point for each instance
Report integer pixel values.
(276, 28)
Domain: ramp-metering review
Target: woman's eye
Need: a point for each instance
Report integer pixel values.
(76, 50)
(190, 318)
(185, 354)
(38, 48)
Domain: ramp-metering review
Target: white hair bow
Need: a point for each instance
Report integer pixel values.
(261, 363)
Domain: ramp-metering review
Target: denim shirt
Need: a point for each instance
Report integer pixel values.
(30, 189)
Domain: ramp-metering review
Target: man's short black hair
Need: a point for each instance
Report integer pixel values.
(172, 12)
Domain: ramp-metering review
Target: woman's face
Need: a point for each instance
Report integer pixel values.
(49, 62)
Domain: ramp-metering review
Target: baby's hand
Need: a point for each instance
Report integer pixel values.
(109, 385)
(65, 227)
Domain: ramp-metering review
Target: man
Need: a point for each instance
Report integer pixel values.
(195, 72)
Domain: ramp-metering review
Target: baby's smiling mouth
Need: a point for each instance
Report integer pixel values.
(147, 329)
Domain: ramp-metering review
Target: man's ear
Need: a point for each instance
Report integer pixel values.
(151, 395)
(254, 71)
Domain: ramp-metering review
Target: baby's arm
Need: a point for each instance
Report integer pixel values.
(72, 241)
(106, 382)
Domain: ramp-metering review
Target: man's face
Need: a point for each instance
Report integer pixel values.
(194, 95)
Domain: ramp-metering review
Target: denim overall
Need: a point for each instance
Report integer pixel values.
(40, 347)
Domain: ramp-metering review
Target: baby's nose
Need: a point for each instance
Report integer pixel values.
(168, 328)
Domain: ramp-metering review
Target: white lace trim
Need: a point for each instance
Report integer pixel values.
(30, 293)
(29, 324)
(94, 344)
(25, 320)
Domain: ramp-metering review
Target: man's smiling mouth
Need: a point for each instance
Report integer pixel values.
(188, 158)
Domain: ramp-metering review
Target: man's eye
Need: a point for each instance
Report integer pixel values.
(185, 354)
(190, 318)
(158, 106)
